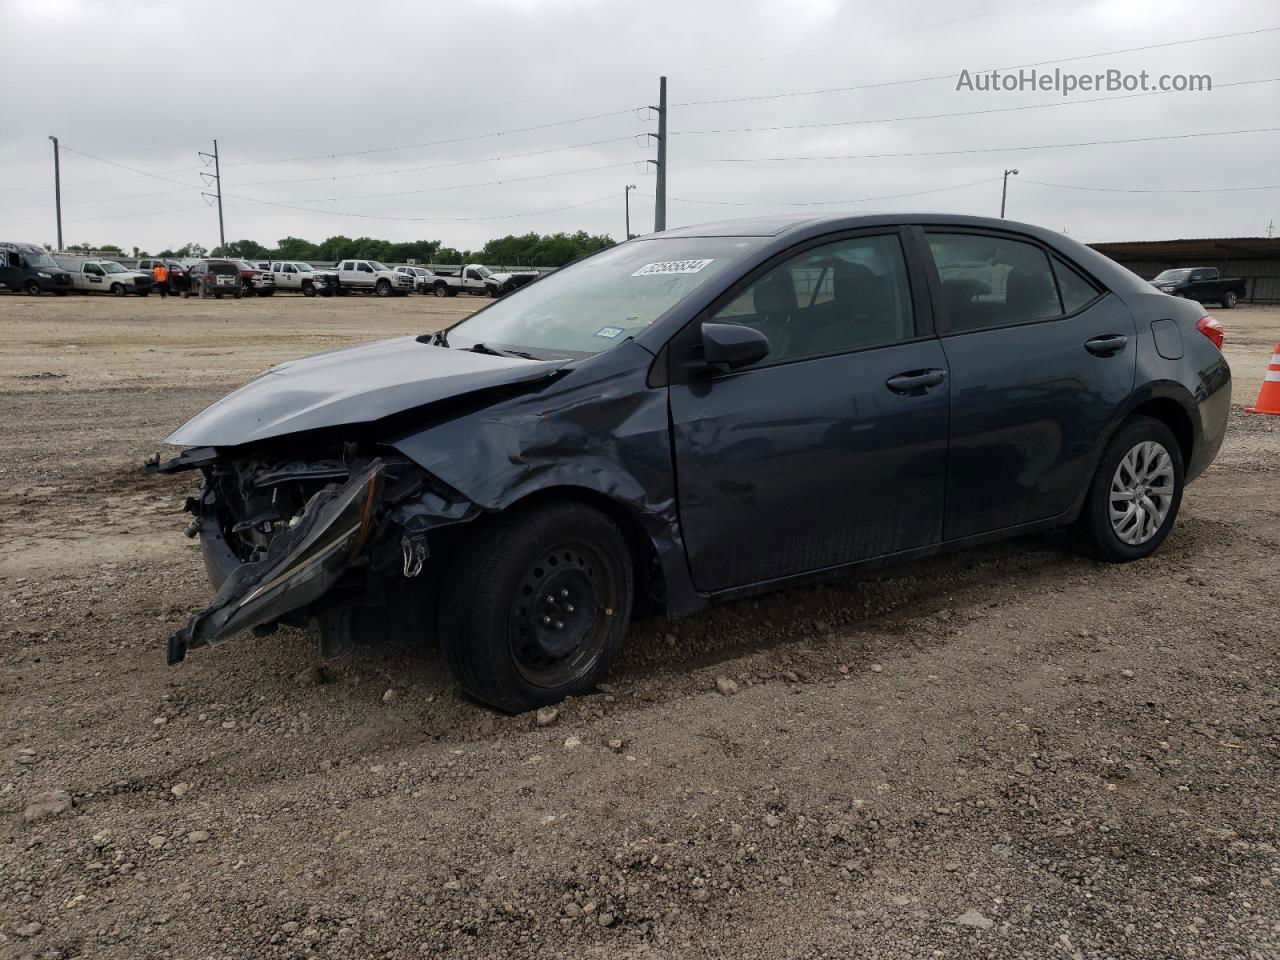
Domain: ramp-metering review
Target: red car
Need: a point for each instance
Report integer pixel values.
(260, 283)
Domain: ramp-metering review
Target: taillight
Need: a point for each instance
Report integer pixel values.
(1212, 329)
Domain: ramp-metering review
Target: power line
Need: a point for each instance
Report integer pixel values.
(1074, 186)
(948, 153)
(965, 113)
(373, 216)
(952, 76)
(824, 203)
(457, 186)
(437, 143)
(442, 166)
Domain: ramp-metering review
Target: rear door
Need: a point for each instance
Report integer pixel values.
(831, 449)
(1042, 362)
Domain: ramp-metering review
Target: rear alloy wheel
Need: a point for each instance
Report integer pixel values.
(536, 605)
(1229, 299)
(383, 288)
(1134, 498)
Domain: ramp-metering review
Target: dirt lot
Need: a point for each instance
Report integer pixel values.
(1010, 752)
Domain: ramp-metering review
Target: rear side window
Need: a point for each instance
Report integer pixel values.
(993, 281)
(1075, 290)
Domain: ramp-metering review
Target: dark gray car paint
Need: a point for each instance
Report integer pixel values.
(350, 386)
(600, 427)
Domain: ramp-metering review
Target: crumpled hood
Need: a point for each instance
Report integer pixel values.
(351, 385)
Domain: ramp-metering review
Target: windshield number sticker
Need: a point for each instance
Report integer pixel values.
(609, 333)
(672, 266)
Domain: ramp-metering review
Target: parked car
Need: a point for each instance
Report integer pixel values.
(422, 277)
(257, 283)
(477, 279)
(105, 276)
(215, 278)
(177, 272)
(693, 416)
(29, 268)
(370, 276)
(302, 277)
(1202, 284)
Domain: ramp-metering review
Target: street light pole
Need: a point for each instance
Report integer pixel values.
(57, 188)
(626, 199)
(1004, 190)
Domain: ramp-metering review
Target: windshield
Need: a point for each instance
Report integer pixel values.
(378, 266)
(1173, 275)
(597, 303)
(110, 267)
(305, 267)
(485, 272)
(37, 259)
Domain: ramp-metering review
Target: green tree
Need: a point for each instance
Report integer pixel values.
(243, 250)
(336, 248)
(295, 248)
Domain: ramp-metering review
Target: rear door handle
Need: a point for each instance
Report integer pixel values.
(914, 383)
(1106, 345)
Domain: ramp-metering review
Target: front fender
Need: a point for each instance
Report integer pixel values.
(600, 428)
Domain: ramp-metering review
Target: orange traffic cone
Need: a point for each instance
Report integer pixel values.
(1269, 395)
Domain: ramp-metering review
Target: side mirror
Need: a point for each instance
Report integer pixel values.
(732, 345)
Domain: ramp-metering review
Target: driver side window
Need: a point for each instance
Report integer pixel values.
(835, 298)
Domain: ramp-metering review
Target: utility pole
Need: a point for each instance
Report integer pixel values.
(660, 187)
(1004, 190)
(626, 199)
(57, 189)
(217, 179)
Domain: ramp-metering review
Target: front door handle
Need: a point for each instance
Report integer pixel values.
(1107, 345)
(914, 383)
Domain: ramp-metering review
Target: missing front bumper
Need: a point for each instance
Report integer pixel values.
(300, 565)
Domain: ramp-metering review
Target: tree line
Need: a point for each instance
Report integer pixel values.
(527, 250)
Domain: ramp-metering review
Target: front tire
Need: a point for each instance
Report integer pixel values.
(1135, 494)
(536, 605)
(1229, 300)
(32, 288)
(308, 289)
(117, 290)
(382, 288)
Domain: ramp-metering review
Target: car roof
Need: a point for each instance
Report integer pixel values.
(774, 226)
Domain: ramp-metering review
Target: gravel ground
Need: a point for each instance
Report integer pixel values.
(1010, 752)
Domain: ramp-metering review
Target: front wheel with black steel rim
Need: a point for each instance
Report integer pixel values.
(536, 605)
(32, 288)
(308, 289)
(1135, 494)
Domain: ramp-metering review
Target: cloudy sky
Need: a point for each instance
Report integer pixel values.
(410, 120)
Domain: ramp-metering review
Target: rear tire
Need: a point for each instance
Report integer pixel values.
(441, 290)
(1116, 525)
(536, 604)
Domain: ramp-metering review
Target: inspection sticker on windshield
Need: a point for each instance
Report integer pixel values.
(672, 266)
(609, 333)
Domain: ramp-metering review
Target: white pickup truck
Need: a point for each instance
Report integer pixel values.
(104, 276)
(300, 277)
(371, 276)
(477, 279)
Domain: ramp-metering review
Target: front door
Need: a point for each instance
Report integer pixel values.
(831, 449)
(1042, 362)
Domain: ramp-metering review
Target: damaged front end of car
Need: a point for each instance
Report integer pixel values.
(293, 540)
